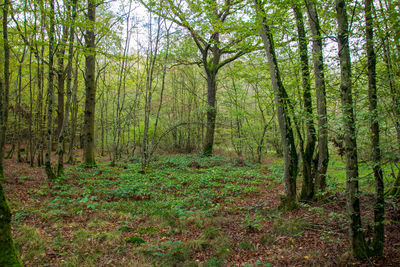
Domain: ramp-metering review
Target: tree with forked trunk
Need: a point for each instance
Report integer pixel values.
(318, 61)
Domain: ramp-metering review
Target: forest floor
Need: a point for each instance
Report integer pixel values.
(185, 210)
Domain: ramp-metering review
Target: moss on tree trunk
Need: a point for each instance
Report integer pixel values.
(8, 255)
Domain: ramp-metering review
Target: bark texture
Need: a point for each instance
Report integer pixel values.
(90, 84)
(211, 109)
(281, 101)
(5, 88)
(8, 255)
(50, 97)
(357, 239)
(379, 208)
(318, 61)
(64, 127)
(307, 189)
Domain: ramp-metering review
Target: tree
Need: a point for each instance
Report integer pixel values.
(150, 143)
(379, 208)
(61, 71)
(50, 97)
(281, 101)
(121, 90)
(307, 190)
(90, 84)
(318, 60)
(64, 126)
(209, 23)
(8, 255)
(389, 20)
(356, 234)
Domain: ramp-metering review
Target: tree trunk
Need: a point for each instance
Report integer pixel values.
(323, 152)
(64, 127)
(18, 109)
(164, 73)
(41, 74)
(8, 255)
(74, 116)
(307, 190)
(281, 101)
(31, 135)
(211, 113)
(61, 80)
(18, 106)
(121, 90)
(102, 118)
(40, 118)
(90, 84)
(394, 93)
(357, 239)
(379, 208)
(50, 97)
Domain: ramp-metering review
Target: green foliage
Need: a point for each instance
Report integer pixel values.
(252, 223)
(151, 231)
(135, 240)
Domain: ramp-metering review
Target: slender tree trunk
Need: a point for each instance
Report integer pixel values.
(41, 116)
(18, 109)
(357, 239)
(379, 208)
(64, 127)
(31, 135)
(18, 106)
(394, 91)
(260, 140)
(237, 144)
(74, 116)
(323, 152)
(90, 84)
(307, 190)
(281, 100)
(50, 97)
(8, 254)
(121, 90)
(164, 73)
(102, 120)
(150, 65)
(61, 80)
(5, 88)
